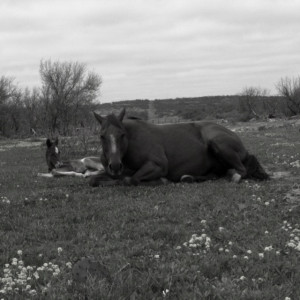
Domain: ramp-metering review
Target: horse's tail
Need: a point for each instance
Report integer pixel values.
(254, 168)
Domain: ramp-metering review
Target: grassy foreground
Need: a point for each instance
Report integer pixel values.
(214, 240)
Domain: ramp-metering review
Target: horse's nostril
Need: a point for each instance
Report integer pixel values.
(115, 167)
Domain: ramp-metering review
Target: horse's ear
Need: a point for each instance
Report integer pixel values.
(56, 141)
(98, 117)
(122, 114)
(48, 143)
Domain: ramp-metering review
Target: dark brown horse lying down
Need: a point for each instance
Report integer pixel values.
(85, 167)
(178, 152)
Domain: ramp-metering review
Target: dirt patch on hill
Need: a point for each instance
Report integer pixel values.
(11, 144)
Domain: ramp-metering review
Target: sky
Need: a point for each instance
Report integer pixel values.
(155, 49)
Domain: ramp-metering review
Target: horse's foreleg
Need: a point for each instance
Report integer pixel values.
(103, 179)
(148, 172)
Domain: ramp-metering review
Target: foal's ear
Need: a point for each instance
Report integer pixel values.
(122, 114)
(98, 117)
(48, 143)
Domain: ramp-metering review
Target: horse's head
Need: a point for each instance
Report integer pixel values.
(114, 142)
(53, 155)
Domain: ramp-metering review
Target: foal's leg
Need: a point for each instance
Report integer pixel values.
(230, 159)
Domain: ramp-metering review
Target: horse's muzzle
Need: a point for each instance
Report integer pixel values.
(115, 169)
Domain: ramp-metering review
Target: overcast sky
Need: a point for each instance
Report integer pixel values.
(154, 49)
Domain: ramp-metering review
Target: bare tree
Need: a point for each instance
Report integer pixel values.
(32, 108)
(289, 88)
(10, 105)
(66, 87)
(249, 96)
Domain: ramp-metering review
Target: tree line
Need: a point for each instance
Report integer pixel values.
(64, 101)
(69, 92)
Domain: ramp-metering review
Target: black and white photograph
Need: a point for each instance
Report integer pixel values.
(150, 149)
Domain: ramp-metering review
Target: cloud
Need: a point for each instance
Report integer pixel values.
(155, 49)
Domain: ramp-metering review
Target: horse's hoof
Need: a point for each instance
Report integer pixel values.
(236, 178)
(187, 179)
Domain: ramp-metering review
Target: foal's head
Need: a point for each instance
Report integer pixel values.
(52, 155)
(114, 142)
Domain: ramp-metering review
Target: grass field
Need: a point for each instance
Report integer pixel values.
(214, 240)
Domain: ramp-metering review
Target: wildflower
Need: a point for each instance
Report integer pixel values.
(269, 248)
(45, 265)
(69, 264)
(249, 251)
(165, 292)
(203, 222)
(33, 292)
(234, 256)
(266, 232)
(246, 257)
(28, 287)
(260, 255)
(221, 249)
(221, 229)
(36, 275)
(277, 252)
(230, 243)
(242, 278)
(156, 256)
(59, 250)
(267, 203)
(20, 252)
(178, 247)
(227, 250)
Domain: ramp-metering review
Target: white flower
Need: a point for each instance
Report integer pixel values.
(59, 250)
(246, 257)
(156, 256)
(28, 287)
(269, 248)
(221, 229)
(165, 292)
(260, 255)
(33, 292)
(249, 251)
(69, 265)
(242, 278)
(230, 243)
(36, 275)
(19, 252)
(234, 256)
(203, 222)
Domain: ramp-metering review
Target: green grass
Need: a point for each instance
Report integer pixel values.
(142, 235)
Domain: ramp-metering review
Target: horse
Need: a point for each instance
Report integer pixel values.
(85, 167)
(183, 152)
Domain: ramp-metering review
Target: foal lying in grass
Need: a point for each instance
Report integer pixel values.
(84, 167)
